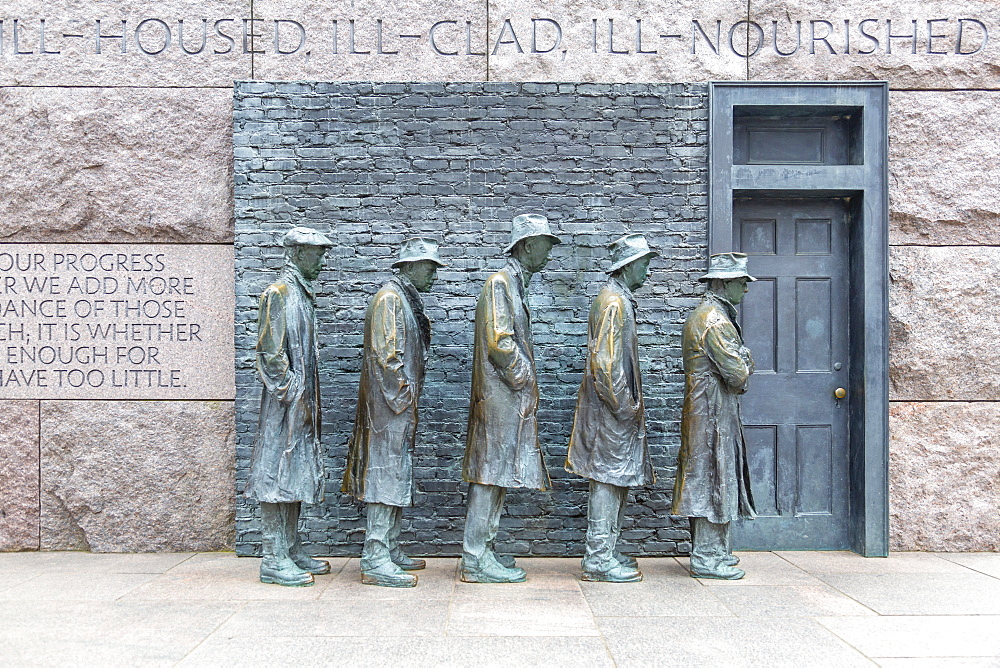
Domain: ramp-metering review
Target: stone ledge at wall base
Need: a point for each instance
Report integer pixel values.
(944, 482)
(116, 165)
(137, 476)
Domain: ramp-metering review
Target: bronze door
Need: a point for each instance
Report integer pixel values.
(795, 322)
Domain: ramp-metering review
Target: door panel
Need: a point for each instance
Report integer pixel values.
(795, 321)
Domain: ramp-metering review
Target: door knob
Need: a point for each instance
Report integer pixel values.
(840, 393)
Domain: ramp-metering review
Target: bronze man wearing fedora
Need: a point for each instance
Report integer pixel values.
(380, 451)
(608, 444)
(286, 467)
(713, 477)
(502, 447)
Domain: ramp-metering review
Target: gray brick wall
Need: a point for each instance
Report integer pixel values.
(370, 164)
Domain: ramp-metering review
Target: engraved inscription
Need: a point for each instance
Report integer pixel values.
(122, 321)
(372, 36)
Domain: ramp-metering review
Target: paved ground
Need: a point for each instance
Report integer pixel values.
(793, 608)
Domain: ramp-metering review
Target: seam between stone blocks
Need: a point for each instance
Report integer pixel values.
(38, 415)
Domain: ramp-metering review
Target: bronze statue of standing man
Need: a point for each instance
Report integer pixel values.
(286, 468)
(380, 451)
(713, 476)
(502, 448)
(608, 444)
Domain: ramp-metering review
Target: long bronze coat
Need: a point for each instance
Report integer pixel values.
(380, 452)
(286, 465)
(608, 443)
(713, 477)
(502, 442)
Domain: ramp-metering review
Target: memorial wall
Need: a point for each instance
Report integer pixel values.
(131, 249)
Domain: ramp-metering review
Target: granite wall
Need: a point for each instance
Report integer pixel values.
(116, 121)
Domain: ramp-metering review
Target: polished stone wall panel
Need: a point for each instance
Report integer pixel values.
(942, 323)
(371, 40)
(131, 476)
(944, 476)
(937, 195)
(18, 476)
(116, 165)
(631, 40)
(813, 40)
(172, 43)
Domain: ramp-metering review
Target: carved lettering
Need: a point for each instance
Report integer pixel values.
(300, 33)
(513, 38)
(165, 36)
(557, 40)
(432, 37)
(204, 37)
(154, 36)
(103, 319)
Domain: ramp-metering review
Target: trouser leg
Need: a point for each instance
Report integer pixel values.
(603, 524)
(394, 530)
(290, 512)
(377, 536)
(708, 550)
(274, 539)
(482, 518)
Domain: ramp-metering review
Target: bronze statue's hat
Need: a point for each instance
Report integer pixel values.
(727, 265)
(629, 248)
(417, 249)
(304, 236)
(530, 225)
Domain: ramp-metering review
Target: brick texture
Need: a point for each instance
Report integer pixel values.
(372, 163)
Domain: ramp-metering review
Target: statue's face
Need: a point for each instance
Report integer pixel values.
(734, 289)
(536, 253)
(422, 274)
(309, 260)
(634, 274)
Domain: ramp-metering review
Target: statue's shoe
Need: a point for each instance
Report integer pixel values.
(314, 566)
(489, 570)
(388, 575)
(722, 573)
(617, 573)
(408, 563)
(506, 560)
(731, 560)
(626, 560)
(284, 572)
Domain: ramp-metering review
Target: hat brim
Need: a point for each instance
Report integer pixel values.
(436, 261)
(551, 237)
(629, 260)
(726, 275)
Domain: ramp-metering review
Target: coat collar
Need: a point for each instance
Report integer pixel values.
(295, 276)
(727, 308)
(619, 286)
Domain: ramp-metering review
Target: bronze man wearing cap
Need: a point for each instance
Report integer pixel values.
(713, 478)
(608, 443)
(502, 447)
(287, 468)
(380, 451)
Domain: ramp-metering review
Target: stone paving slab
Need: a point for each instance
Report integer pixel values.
(794, 608)
(908, 637)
